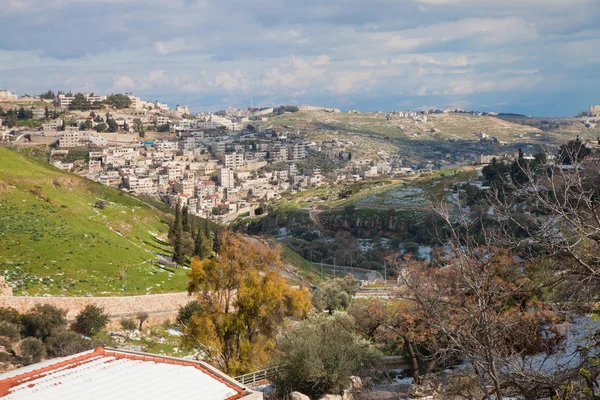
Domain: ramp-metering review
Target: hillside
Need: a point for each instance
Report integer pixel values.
(442, 133)
(53, 240)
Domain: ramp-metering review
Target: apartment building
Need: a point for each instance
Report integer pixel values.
(52, 125)
(226, 178)
(64, 101)
(185, 186)
(296, 151)
(160, 120)
(139, 185)
(233, 160)
(80, 139)
(278, 154)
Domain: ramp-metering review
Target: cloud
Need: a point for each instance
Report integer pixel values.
(123, 83)
(176, 45)
(351, 52)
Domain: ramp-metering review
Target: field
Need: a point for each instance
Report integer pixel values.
(54, 241)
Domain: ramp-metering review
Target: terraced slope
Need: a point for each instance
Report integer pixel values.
(53, 240)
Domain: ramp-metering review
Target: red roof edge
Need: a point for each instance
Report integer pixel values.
(7, 384)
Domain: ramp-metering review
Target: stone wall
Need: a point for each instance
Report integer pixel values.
(160, 307)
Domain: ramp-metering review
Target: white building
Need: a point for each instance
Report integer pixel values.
(226, 178)
(6, 95)
(233, 160)
(64, 101)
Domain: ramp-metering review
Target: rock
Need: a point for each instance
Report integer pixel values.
(298, 396)
(347, 395)
(356, 384)
(426, 390)
(331, 397)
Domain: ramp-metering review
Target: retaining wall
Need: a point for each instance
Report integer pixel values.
(159, 307)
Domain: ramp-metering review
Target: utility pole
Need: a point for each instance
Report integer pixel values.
(321, 269)
(333, 267)
(385, 273)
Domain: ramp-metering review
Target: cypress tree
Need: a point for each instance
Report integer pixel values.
(177, 221)
(185, 219)
(177, 236)
(207, 231)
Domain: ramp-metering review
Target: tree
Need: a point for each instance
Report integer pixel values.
(86, 125)
(185, 223)
(91, 320)
(495, 173)
(318, 355)
(163, 128)
(396, 324)
(573, 152)
(112, 125)
(46, 112)
(101, 127)
(243, 302)
(49, 95)
(142, 317)
(188, 311)
(32, 350)
(202, 246)
(336, 294)
(482, 304)
(79, 102)
(43, 320)
(118, 101)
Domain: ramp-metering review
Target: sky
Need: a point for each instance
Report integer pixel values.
(535, 57)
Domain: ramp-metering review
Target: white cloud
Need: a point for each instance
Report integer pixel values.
(123, 82)
(176, 45)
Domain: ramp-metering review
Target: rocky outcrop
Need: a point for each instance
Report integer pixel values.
(332, 397)
(298, 396)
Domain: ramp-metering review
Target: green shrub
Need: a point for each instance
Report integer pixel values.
(43, 320)
(318, 355)
(10, 315)
(128, 324)
(5, 357)
(66, 343)
(10, 332)
(335, 294)
(91, 320)
(32, 350)
(186, 312)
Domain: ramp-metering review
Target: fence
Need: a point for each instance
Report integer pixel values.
(253, 378)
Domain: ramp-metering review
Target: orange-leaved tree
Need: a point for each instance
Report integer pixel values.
(243, 301)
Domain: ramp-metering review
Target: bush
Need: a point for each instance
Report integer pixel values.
(43, 320)
(66, 343)
(32, 350)
(10, 332)
(335, 294)
(5, 357)
(91, 320)
(318, 355)
(10, 315)
(128, 324)
(186, 312)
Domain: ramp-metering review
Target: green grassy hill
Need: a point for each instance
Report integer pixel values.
(54, 241)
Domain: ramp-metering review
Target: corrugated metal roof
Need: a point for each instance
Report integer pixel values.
(104, 374)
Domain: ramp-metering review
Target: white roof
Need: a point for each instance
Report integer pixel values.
(104, 374)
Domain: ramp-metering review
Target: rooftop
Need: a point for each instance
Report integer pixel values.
(105, 373)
